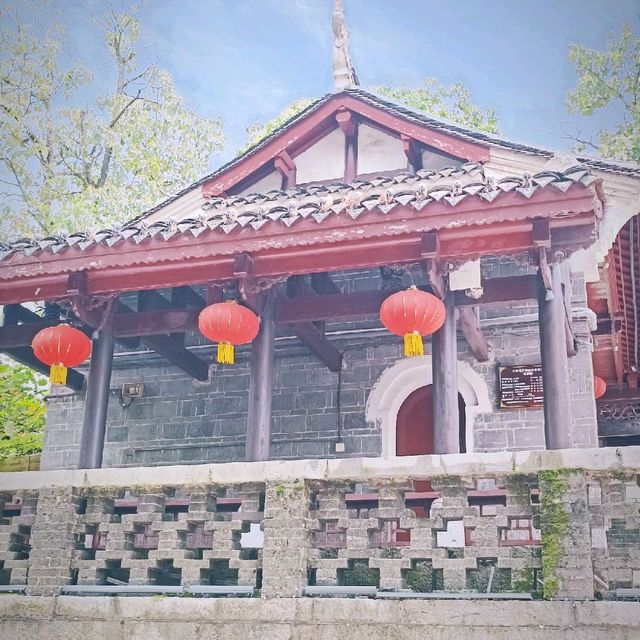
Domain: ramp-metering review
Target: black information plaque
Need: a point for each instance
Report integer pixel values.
(521, 387)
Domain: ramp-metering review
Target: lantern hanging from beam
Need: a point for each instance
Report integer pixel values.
(61, 347)
(412, 314)
(228, 324)
(599, 387)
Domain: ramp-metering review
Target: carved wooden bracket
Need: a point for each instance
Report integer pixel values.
(430, 251)
(251, 289)
(286, 167)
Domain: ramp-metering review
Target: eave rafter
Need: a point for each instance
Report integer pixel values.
(502, 227)
(312, 334)
(171, 347)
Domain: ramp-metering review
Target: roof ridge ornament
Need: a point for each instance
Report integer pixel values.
(344, 75)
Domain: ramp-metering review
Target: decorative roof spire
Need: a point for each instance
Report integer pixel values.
(344, 75)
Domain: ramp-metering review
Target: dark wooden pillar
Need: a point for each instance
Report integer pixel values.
(97, 395)
(555, 365)
(258, 440)
(446, 417)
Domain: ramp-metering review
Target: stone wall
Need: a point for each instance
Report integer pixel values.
(555, 524)
(180, 420)
(64, 617)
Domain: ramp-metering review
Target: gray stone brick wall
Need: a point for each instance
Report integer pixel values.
(286, 540)
(181, 421)
(472, 531)
(51, 541)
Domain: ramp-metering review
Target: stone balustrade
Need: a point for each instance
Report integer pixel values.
(550, 524)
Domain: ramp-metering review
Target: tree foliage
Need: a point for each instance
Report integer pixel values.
(434, 98)
(260, 131)
(447, 102)
(63, 166)
(610, 78)
(22, 410)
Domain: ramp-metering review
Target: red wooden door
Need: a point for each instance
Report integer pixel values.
(414, 426)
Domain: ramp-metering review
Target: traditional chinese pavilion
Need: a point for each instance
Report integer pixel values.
(533, 254)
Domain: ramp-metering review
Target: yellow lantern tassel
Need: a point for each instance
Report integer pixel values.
(413, 344)
(58, 374)
(226, 353)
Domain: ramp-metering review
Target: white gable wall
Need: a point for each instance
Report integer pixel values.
(188, 205)
(378, 151)
(268, 183)
(323, 161)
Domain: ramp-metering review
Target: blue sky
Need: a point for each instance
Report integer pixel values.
(245, 60)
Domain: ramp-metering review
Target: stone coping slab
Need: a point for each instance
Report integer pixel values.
(334, 613)
(341, 469)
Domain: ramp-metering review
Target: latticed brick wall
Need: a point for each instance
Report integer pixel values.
(614, 515)
(204, 535)
(450, 534)
(18, 512)
(569, 533)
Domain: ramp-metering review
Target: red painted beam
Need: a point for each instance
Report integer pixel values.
(307, 247)
(501, 290)
(148, 323)
(339, 306)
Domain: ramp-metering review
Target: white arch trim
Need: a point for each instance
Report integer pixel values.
(401, 379)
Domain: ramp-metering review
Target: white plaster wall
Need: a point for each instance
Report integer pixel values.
(323, 161)
(378, 151)
(186, 206)
(435, 161)
(268, 183)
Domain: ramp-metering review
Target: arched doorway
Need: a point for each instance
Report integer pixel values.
(404, 377)
(414, 423)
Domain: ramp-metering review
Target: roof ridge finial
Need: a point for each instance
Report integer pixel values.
(344, 75)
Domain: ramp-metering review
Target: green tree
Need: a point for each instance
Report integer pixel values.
(260, 131)
(610, 78)
(22, 410)
(447, 102)
(65, 167)
(434, 98)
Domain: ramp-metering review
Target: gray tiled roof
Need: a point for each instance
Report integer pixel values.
(317, 202)
(601, 164)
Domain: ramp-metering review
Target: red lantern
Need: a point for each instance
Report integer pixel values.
(412, 314)
(228, 324)
(599, 387)
(61, 347)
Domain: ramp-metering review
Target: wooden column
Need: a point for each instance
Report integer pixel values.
(446, 418)
(258, 439)
(347, 123)
(555, 365)
(97, 395)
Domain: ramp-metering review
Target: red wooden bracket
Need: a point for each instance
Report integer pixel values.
(346, 122)
(410, 148)
(286, 167)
